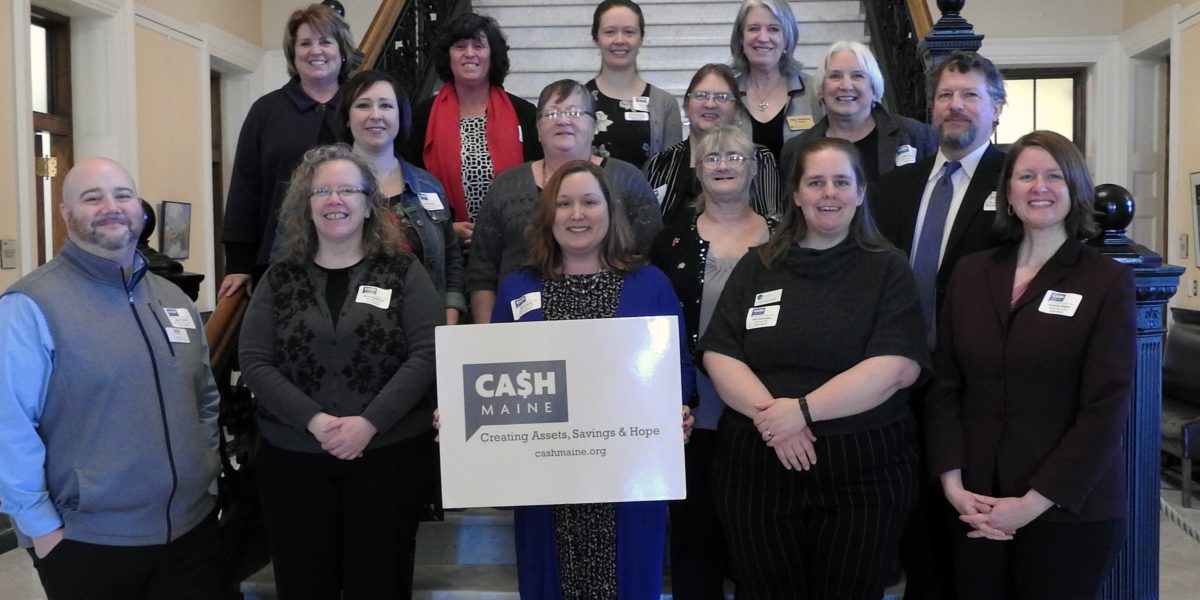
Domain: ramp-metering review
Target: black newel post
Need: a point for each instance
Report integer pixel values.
(950, 33)
(1135, 573)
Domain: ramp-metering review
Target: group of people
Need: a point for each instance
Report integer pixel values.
(947, 391)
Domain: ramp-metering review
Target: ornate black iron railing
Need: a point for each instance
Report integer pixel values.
(407, 51)
(895, 43)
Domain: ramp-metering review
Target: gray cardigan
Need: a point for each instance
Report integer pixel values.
(377, 363)
(499, 245)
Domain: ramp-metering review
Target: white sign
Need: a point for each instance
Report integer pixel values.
(560, 412)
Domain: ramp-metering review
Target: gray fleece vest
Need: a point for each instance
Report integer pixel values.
(128, 460)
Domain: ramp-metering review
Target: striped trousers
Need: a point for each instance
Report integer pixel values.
(830, 532)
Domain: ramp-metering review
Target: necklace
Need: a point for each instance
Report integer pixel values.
(763, 105)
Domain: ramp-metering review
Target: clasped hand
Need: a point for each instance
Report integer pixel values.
(782, 426)
(992, 518)
(343, 437)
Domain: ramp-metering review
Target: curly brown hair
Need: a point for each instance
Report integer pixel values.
(382, 233)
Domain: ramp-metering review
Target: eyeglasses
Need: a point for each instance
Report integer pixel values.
(713, 161)
(345, 191)
(571, 113)
(722, 97)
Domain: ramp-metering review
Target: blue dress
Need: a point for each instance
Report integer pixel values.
(640, 526)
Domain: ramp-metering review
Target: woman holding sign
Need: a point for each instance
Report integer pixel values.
(813, 343)
(1035, 363)
(582, 267)
(337, 346)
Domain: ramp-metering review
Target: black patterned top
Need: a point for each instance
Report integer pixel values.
(618, 136)
(586, 534)
(477, 168)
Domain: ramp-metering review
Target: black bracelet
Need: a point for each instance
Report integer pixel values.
(804, 411)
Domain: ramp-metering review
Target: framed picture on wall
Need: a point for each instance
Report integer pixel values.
(174, 239)
(1195, 180)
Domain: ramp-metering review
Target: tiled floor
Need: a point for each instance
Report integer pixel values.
(1179, 560)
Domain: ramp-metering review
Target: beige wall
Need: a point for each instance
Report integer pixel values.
(241, 18)
(1137, 11)
(275, 13)
(1189, 161)
(171, 139)
(9, 146)
(1041, 18)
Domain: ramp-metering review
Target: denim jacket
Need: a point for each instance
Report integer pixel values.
(439, 245)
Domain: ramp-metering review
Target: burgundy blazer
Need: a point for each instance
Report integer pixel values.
(1026, 399)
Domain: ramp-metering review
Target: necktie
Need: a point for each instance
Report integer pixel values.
(929, 246)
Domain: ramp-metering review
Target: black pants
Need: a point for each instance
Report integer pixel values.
(1045, 560)
(341, 528)
(830, 532)
(188, 568)
(699, 561)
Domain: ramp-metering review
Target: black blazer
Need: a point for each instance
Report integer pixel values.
(1023, 398)
(898, 201)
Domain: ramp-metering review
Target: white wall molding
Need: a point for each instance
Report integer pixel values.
(1107, 127)
(1150, 33)
(229, 53)
(168, 26)
(22, 95)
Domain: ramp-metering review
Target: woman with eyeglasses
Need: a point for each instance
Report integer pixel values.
(711, 101)
(634, 120)
(566, 122)
(698, 254)
(337, 346)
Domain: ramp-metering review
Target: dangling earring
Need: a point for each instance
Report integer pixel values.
(1009, 208)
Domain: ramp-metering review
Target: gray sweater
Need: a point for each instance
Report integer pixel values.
(499, 245)
(377, 362)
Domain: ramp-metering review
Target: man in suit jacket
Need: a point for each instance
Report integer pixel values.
(967, 91)
(968, 95)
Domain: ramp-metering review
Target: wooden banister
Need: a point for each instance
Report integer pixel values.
(222, 331)
(379, 31)
(921, 20)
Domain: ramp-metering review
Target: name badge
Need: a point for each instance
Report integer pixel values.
(177, 335)
(990, 204)
(641, 103)
(1063, 304)
(637, 116)
(180, 317)
(529, 302)
(800, 122)
(762, 316)
(375, 296)
(659, 192)
(768, 297)
(905, 155)
(430, 201)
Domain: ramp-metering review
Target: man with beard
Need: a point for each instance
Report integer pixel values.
(938, 210)
(108, 411)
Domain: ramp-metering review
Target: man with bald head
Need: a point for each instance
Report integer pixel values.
(108, 411)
